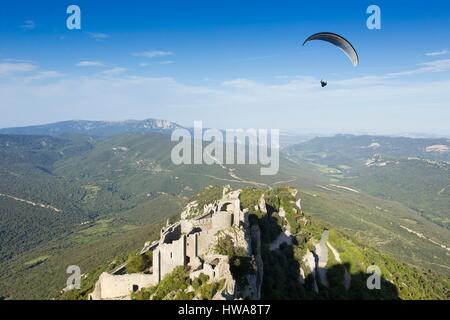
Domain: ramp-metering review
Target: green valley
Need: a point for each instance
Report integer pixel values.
(89, 200)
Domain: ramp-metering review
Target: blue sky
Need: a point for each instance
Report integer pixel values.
(229, 63)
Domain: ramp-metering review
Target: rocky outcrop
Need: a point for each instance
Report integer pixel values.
(262, 204)
(316, 262)
(256, 241)
(190, 210)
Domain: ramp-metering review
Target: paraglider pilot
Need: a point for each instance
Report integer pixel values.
(339, 42)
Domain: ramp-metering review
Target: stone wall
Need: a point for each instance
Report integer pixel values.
(221, 220)
(167, 256)
(204, 241)
(120, 286)
(192, 246)
(188, 242)
(205, 222)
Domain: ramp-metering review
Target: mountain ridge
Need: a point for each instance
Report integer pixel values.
(96, 128)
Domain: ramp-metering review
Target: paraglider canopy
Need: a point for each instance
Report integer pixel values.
(339, 42)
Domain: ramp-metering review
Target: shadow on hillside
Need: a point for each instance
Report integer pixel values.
(281, 276)
(358, 287)
(282, 280)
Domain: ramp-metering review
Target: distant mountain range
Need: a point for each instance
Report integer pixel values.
(414, 172)
(111, 128)
(96, 128)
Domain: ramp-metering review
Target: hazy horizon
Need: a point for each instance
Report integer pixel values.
(285, 132)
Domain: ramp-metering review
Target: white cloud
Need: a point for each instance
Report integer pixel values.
(98, 35)
(247, 103)
(28, 25)
(427, 67)
(27, 71)
(113, 71)
(435, 66)
(153, 54)
(48, 74)
(145, 64)
(18, 60)
(9, 68)
(436, 53)
(90, 63)
(370, 103)
(240, 84)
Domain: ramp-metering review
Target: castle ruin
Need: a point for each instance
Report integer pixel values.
(189, 243)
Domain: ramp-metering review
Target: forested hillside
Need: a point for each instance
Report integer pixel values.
(60, 197)
(414, 172)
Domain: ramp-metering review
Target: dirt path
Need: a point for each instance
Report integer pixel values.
(325, 188)
(344, 188)
(234, 175)
(322, 258)
(442, 190)
(233, 180)
(231, 173)
(285, 181)
(347, 277)
(335, 253)
(34, 204)
(422, 236)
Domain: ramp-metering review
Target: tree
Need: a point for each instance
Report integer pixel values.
(135, 263)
